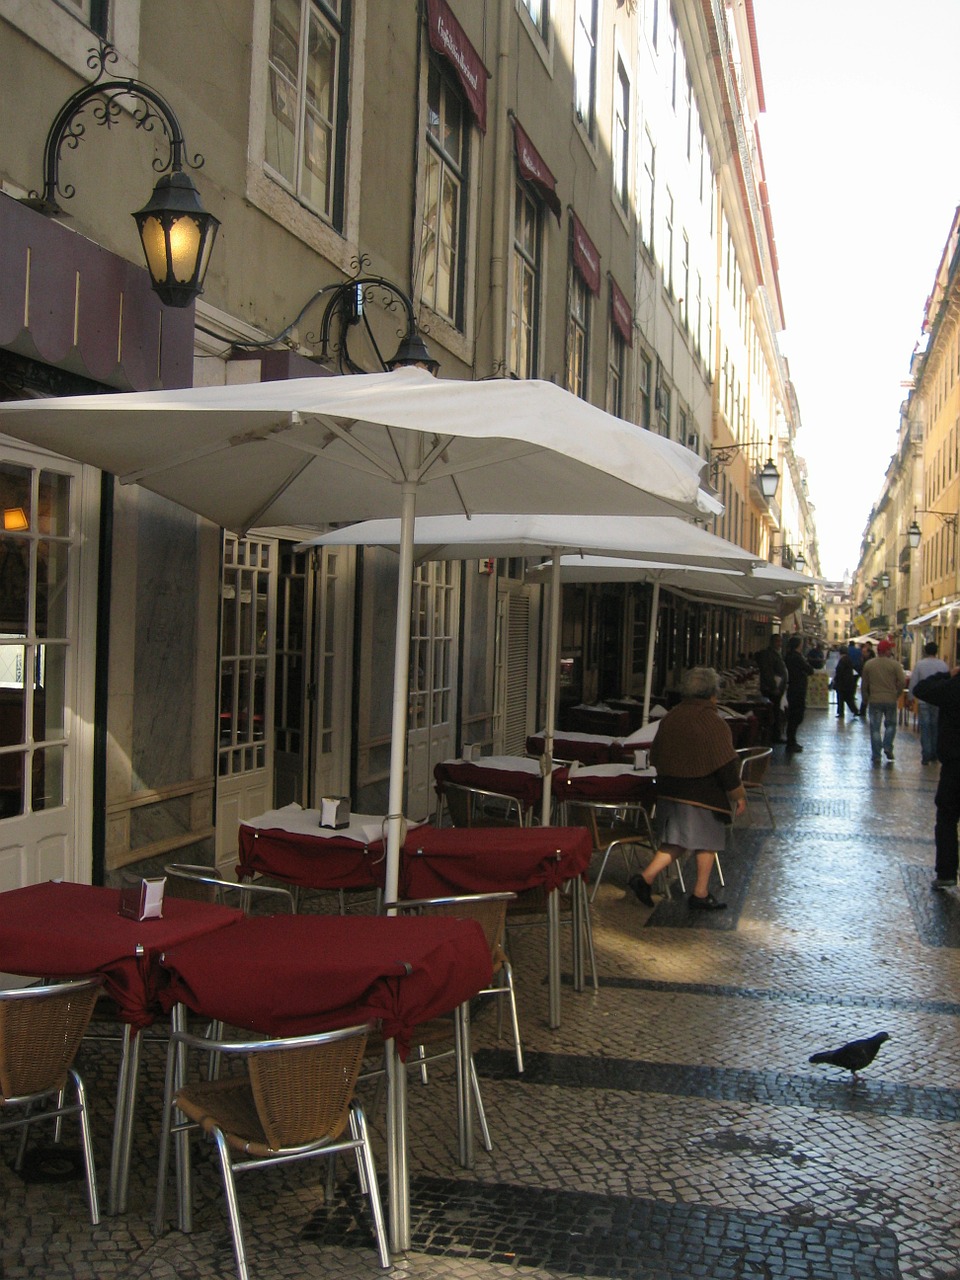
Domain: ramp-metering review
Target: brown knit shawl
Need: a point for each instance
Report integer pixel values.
(693, 740)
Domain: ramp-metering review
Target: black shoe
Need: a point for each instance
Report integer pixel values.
(709, 903)
(641, 889)
(944, 882)
(793, 747)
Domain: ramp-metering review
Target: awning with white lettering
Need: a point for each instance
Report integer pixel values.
(532, 168)
(621, 312)
(449, 39)
(585, 256)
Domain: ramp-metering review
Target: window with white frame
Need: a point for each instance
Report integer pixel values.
(444, 211)
(585, 63)
(616, 364)
(668, 247)
(685, 280)
(306, 101)
(664, 398)
(578, 334)
(644, 372)
(621, 135)
(524, 319)
(647, 188)
(94, 13)
(539, 11)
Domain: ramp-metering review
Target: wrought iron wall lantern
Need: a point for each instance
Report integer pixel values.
(346, 309)
(768, 477)
(914, 534)
(176, 232)
(786, 553)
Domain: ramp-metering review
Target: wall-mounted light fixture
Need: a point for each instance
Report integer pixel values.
(790, 559)
(176, 232)
(768, 477)
(914, 534)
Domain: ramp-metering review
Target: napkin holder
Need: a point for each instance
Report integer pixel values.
(143, 899)
(335, 812)
(641, 758)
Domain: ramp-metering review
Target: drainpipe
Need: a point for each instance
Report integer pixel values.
(501, 189)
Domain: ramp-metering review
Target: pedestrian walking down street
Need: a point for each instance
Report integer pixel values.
(845, 683)
(773, 681)
(943, 692)
(698, 787)
(867, 654)
(881, 684)
(799, 671)
(929, 665)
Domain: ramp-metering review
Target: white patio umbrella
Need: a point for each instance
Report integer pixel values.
(308, 452)
(761, 585)
(460, 538)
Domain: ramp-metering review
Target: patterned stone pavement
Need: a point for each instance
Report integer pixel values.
(672, 1127)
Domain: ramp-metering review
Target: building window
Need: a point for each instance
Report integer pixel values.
(306, 110)
(652, 21)
(668, 242)
(444, 201)
(585, 63)
(527, 231)
(685, 281)
(92, 12)
(663, 398)
(616, 365)
(578, 334)
(643, 390)
(647, 186)
(539, 13)
(621, 135)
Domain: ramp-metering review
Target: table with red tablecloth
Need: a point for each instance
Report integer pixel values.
(588, 748)
(609, 784)
(443, 861)
(295, 975)
(290, 845)
(517, 776)
(59, 929)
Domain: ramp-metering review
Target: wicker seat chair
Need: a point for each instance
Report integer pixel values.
(40, 1033)
(294, 1101)
(754, 762)
(620, 828)
(475, 807)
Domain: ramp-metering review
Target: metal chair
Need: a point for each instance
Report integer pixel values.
(614, 827)
(201, 883)
(293, 1102)
(754, 762)
(40, 1033)
(475, 807)
(490, 912)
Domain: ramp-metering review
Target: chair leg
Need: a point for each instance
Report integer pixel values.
(368, 1179)
(766, 801)
(588, 931)
(87, 1144)
(603, 867)
(716, 858)
(510, 992)
(478, 1103)
(233, 1208)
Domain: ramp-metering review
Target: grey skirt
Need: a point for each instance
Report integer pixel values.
(690, 826)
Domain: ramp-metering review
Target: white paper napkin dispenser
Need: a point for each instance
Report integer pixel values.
(143, 899)
(335, 812)
(641, 758)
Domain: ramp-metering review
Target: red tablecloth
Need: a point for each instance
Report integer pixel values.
(66, 930)
(312, 862)
(439, 861)
(588, 748)
(628, 786)
(525, 786)
(295, 975)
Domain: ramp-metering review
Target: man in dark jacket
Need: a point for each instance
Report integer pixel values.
(943, 691)
(799, 671)
(845, 682)
(773, 681)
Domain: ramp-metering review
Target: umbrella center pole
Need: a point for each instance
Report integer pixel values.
(553, 663)
(401, 691)
(651, 646)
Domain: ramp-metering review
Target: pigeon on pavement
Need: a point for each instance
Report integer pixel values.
(853, 1056)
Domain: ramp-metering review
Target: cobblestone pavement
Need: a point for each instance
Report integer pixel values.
(673, 1126)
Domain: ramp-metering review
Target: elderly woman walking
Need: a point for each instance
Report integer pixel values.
(698, 786)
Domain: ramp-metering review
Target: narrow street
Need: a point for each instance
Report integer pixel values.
(673, 1126)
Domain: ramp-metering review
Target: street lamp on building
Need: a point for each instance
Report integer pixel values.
(176, 232)
(914, 534)
(786, 553)
(768, 477)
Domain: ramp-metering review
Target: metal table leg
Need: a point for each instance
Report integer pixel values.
(553, 957)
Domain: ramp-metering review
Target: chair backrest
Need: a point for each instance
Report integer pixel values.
(303, 1094)
(40, 1033)
(488, 909)
(753, 765)
(202, 884)
(474, 807)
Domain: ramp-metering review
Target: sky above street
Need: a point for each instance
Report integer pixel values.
(859, 147)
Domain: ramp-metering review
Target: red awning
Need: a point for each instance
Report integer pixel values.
(585, 256)
(621, 312)
(449, 39)
(532, 167)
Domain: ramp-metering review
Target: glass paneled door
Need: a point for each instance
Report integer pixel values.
(47, 605)
(433, 674)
